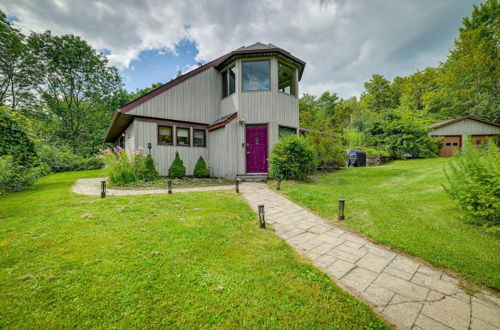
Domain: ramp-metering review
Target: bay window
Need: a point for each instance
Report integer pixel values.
(286, 79)
(256, 75)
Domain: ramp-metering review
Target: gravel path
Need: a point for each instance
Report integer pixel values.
(92, 187)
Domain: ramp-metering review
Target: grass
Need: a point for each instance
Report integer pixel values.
(192, 260)
(403, 205)
(187, 182)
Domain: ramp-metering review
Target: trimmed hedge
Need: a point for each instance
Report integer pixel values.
(200, 169)
(293, 157)
(177, 169)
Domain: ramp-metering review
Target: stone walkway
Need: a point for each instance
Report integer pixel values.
(404, 291)
(92, 187)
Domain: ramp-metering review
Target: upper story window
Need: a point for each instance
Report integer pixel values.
(165, 135)
(229, 81)
(256, 75)
(183, 136)
(286, 79)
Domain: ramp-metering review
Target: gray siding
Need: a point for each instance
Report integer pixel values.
(225, 158)
(466, 127)
(164, 155)
(130, 142)
(194, 100)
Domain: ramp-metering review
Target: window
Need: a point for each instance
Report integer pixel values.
(183, 136)
(229, 81)
(165, 135)
(286, 79)
(285, 131)
(199, 138)
(256, 75)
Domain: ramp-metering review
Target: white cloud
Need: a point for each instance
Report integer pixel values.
(343, 41)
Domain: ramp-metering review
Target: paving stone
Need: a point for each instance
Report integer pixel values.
(339, 268)
(477, 324)
(327, 238)
(377, 296)
(398, 273)
(425, 322)
(429, 272)
(359, 279)
(485, 313)
(303, 237)
(373, 262)
(434, 296)
(436, 284)
(309, 245)
(352, 258)
(488, 299)
(322, 248)
(450, 311)
(404, 264)
(403, 314)
(405, 288)
(325, 260)
(352, 238)
(397, 299)
(380, 251)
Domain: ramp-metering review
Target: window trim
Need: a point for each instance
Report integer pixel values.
(204, 138)
(177, 136)
(294, 77)
(270, 75)
(226, 72)
(171, 135)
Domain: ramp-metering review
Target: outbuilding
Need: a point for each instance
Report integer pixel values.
(455, 131)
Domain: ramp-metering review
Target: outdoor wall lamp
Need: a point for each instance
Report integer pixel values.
(241, 121)
(149, 147)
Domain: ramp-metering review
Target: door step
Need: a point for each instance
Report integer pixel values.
(253, 177)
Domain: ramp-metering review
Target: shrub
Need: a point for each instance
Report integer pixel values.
(177, 169)
(63, 160)
(15, 177)
(123, 167)
(292, 157)
(200, 169)
(148, 172)
(329, 150)
(474, 182)
(15, 137)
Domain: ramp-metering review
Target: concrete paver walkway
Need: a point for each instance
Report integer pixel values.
(406, 292)
(92, 187)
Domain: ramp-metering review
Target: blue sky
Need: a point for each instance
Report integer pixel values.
(159, 65)
(343, 42)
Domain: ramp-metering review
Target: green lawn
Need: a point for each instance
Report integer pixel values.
(182, 260)
(403, 205)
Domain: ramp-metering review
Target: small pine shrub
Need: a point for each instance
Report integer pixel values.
(293, 157)
(474, 183)
(148, 172)
(177, 169)
(200, 169)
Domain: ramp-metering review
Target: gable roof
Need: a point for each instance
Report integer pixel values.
(451, 121)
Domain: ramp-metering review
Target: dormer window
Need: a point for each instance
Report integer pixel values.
(229, 81)
(286, 79)
(256, 75)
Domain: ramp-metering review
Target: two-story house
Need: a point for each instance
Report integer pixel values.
(230, 111)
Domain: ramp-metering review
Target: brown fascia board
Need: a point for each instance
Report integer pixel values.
(224, 123)
(118, 124)
(451, 121)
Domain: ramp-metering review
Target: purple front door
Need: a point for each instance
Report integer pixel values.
(257, 149)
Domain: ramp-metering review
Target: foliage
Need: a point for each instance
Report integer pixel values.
(123, 167)
(293, 157)
(378, 94)
(329, 150)
(15, 137)
(200, 169)
(403, 205)
(403, 136)
(148, 172)
(474, 182)
(63, 159)
(78, 89)
(376, 152)
(15, 177)
(354, 138)
(177, 169)
(19, 70)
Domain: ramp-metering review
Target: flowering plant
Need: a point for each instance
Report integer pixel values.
(124, 167)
